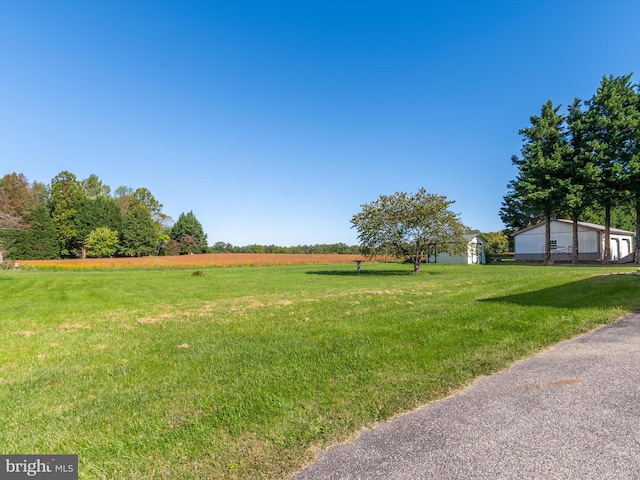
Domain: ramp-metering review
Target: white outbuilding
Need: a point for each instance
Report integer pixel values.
(475, 252)
(529, 243)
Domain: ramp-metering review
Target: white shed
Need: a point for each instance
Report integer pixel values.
(529, 243)
(475, 252)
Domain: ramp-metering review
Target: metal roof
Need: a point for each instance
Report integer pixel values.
(591, 226)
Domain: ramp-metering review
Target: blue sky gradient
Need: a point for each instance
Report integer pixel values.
(273, 120)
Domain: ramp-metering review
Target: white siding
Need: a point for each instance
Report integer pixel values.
(620, 247)
(530, 243)
(475, 255)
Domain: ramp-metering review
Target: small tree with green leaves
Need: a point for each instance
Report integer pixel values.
(101, 242)
(404, 225)
(497, 243)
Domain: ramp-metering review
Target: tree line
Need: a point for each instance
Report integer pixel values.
(331, 248)
(583, 164)
(72, 218)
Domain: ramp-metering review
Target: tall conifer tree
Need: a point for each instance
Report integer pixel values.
(541, 183)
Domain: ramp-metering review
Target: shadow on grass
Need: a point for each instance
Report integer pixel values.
(603, 291)
(365, 273)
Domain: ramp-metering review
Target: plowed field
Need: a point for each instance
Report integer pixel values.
(201, 260)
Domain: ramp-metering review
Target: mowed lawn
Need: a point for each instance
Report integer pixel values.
(248, 372)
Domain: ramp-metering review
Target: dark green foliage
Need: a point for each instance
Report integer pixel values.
(583, 166)
(188, 232)
(333, 248)
(78, 209)
(515, 213)
(541, 181)
(67, 197)
(138, 236)
(38, 241)
(613, 129)
(98, 212)
(26, 230)
(622, 216)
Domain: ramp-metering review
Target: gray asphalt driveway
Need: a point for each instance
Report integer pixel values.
(572, 412)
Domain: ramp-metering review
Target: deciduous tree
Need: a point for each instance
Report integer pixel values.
(403, 225)
(497, 243)
(16, 200)
(102, 242)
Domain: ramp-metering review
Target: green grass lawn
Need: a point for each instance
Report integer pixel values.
(247, 372)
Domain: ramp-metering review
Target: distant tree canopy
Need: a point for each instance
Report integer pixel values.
(404, 225)
(74, 218)
(332, 248)
(584, 165)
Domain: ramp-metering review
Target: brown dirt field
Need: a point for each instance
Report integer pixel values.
(201, 260)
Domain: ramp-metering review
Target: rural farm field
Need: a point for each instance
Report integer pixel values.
(203, 373)
(199, 260)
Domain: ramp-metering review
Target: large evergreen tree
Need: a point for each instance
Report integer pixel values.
(514, 213)
(188, 232)
(580, 173)
(138, 236)
(37, 242)
(612, 130)
(541, 181)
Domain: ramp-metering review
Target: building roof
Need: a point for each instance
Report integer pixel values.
(471, 236)
(590, 226)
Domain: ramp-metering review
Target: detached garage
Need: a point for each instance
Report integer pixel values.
(529, 243)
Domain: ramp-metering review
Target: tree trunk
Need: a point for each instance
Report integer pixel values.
(416, 263)
(575, 257)
(606, 258)
(547, 241)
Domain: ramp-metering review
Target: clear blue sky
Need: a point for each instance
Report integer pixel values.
(273, 120)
